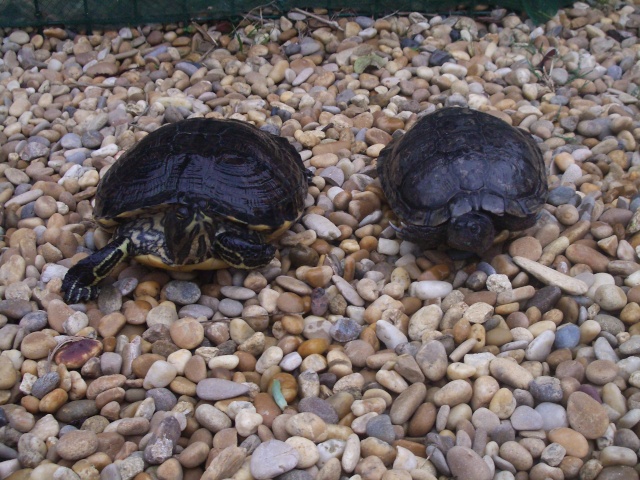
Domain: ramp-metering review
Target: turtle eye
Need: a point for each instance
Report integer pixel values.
(182, 213)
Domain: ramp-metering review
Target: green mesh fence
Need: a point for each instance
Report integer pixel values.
(94, 13)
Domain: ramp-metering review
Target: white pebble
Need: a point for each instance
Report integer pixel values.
(323, 227)
(388, 247)
(389, 334)
(430, 289)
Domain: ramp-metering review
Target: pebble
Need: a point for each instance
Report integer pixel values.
(567, 336)
(390, 335)
(567, 284)
(586, 415)
(220, 389)
(77, 444)
(430, 289)
(526, 418)
(273, 458)
(465, 463)
(181, 292)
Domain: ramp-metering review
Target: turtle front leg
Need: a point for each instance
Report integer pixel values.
(80, 282)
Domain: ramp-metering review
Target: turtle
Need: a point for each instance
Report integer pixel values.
(198, 194)
(458, 176)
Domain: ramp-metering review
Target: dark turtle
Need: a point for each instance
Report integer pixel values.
(195, 195)
(459, 175)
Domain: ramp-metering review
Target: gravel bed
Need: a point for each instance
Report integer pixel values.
(354, 354)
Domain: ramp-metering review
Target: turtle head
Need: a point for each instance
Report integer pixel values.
(242, 247)
(188, 233)
(472, 232)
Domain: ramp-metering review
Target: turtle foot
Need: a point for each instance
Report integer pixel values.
(75, 293)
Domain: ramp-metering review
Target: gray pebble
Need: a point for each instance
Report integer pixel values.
(381, 427)
(76, 156)
(503, 433)
(438, 460)
(34, 150)
(164, 398)
(603, 350)
(34, 321)
(7, 453)
(182, 292)
(76, 411)
(92, 139)
(126, 285)
(71, 140)
(296, 475)
(345, 329)
(237, 293)
(546, 389)
(45, 384)
(219, 389)
(553, 415)
(109, 299)
(526, 418)
(631, 346)
(320, 407)
(364, 22)
(262, 464)
(310, 47)
(195, 311)
(163, 441)
(15, 308)
(172, 114)
(187, 67)
(230, 308)
(110, 363)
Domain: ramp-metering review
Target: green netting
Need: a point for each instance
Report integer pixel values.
(91, 13)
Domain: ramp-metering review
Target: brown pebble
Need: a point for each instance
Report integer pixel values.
(53, 400)
(586, 415)
(578, 253)
(77, 444)
(37, 345)
(142, 364)
(528, 247)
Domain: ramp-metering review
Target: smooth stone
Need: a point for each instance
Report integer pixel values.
(220, 389)
(526, 418)
(540, 347)
(430, 289)
(549, 276)
(389, 334)
(273, 458)
(586, 415)
(320, 407)
(567, 336)
(465, 463)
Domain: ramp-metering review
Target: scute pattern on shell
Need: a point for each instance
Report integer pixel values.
(229, 167)
(456, 160)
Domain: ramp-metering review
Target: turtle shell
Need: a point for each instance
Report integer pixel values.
(230, 168)
(458, 160)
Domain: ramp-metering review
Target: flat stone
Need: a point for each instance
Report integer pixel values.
(273, 458)
(549, 276)
(389, 334)
(465, 463)
(586, 415)
(526, 418)
(220, 389)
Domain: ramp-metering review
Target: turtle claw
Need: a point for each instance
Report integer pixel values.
(80, 294)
